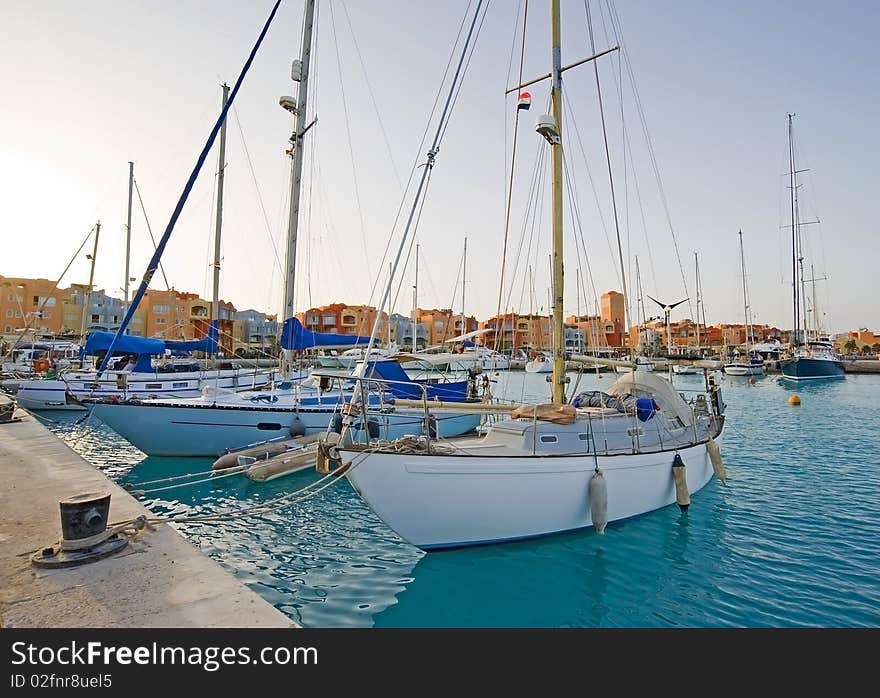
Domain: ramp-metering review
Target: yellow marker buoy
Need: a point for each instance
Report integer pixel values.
(715, 456)
(599, 501)
(794, 400)
(682, 496)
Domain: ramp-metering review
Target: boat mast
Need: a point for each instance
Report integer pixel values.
(697, 282)
(640, 307)
(296, 163)
(88, 299)
(128, 236)
(742, 259)
(558, 282)
(221, 167)
(415, 314)
(463, 273)
(794, 237)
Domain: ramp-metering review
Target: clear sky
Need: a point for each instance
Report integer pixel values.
(88, 86)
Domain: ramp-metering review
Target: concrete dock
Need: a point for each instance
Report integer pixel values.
(158, 580)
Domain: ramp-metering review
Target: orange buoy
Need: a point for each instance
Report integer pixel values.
(751, 381)
(794, 400)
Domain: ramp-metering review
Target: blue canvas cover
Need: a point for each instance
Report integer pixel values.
(129, 344)
(296, 337)
(452, 391)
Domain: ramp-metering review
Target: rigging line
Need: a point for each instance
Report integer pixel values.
(210, 228)
(417, 161)
(39, 311)
(531, 219)
(580, 143)
(154, 261)
(512, 170)
(576, 218)
(608, 163)
(426, 172)
(535, 181)
(628, 158)
(452, 303)
(372, 95)
(150, 230)
(357, 193)
(250, 163)
(615, 20)
(466, 66)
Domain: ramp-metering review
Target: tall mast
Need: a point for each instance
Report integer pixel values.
(128, 236)
(816, 329)
(558, 278)
(88, 299)
(640, 305)
(742, 259)
(218, 223)
(794, 236)
(697, 283)
(415, 313)
(463, 272)
(300, 72)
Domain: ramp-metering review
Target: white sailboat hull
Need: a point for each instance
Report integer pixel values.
(438, 501)
(209, 430)
(744, 369)
(37, 394)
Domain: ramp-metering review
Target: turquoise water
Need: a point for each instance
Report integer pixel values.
(792, 540)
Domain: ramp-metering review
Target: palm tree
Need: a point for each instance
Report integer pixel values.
(850, 346)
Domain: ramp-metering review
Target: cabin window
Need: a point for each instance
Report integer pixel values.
(180, 385)
(549, 439)
(269, 426)
(152, 386)
(584, 437)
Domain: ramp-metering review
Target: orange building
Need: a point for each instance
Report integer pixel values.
(32, 303)
(614, 312)
(864, 338)
(340, 318)
(443, 324)
(594, 329)
(518, 331)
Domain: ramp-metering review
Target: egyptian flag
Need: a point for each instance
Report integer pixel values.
(525, 101)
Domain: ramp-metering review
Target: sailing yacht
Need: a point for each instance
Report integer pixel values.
(812, 355)
(546, 468)
(753, 363)
(218, 421)
(693, 369)
(143, 367)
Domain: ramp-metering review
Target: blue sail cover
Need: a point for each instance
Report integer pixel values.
(129, 344)
(296, 337)
(405, 387)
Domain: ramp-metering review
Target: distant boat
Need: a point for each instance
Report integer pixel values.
(749, 364)
(812, 354)
(539, 364)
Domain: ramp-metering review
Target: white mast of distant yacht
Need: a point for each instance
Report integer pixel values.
(299, 73)
(699, 299)
(415, 313)
(463, 272)
(221, 167)
(128, 237)
(746, 309)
